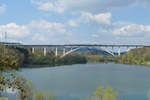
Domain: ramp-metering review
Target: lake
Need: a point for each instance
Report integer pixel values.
(78, 82)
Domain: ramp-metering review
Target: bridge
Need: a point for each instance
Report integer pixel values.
(74, 47)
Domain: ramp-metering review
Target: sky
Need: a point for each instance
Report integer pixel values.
(75, 21)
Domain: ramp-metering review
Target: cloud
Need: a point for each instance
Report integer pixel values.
(2, 8)
(95, 6)
(145, 3)
(48, 6)
(124, 33)
(43, 31)
(92, 6)
(73, 23)
(126, 29)
(132, 30)
(45, 27)
(102, 18)
(37, 31)
(86, 18)
(14, 31)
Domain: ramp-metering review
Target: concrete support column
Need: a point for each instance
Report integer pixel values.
(71, 48)
(64, 51)
(119, 52)
(112, 49)
(56, 52)
(128, 49)
(45, 51)
(33, 50)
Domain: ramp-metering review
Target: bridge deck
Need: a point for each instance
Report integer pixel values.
(70, 45)
(82, 45)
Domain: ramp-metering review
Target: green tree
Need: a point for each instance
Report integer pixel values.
(10, 60)
(105, 94)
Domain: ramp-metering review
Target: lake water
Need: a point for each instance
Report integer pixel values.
(78, 82)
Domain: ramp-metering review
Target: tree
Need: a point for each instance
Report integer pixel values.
(105, 94)
(10, 60)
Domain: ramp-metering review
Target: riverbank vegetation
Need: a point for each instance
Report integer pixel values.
(138, 56)
(99, 58)
(38, 59)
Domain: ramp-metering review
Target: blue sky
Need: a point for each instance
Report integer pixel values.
(75, 21)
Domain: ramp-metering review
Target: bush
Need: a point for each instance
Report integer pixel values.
(105, 94)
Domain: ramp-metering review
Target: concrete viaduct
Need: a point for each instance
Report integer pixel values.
(74, 47)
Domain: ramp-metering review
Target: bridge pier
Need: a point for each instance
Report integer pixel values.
(33, 50)
(112, 50)
(64, 51)
(45, 51)
(119, 52)
(56, 52)
(128, 49)
(71, 49)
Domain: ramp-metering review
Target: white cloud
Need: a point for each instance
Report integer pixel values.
(124, 33)
(93, 6)
(47, 27)
(102, 18)
(15, 31)
(86, 18)
(49, 6)
(43, 31)
(2, 8)
(37, 31)
(73, 23)
(132, 30)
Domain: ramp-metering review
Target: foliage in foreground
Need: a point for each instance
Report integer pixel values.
(9, 64)
(102, 93)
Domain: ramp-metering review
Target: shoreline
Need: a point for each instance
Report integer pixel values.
(49, 66)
